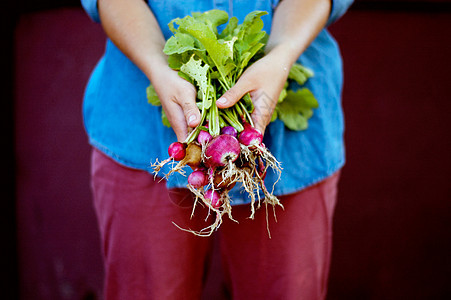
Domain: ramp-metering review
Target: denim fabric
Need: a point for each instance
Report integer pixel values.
(121, 123)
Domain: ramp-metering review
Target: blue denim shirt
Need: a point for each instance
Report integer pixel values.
(120, 122)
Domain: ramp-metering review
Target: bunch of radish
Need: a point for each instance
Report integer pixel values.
(225, 149)
(218, 163)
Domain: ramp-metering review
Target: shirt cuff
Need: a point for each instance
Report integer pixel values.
(90, 6)
(339, 7)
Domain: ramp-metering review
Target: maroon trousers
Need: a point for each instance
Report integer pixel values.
(147, 257)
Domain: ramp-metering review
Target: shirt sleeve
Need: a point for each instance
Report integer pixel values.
(91, 9)
(339, 7)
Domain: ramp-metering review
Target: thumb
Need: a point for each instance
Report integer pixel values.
(233, 95)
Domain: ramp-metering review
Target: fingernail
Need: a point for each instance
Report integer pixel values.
(221, 100)
(191, 119)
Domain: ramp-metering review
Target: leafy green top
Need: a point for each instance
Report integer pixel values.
(213, 61)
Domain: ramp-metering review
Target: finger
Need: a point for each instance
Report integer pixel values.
(233, 95)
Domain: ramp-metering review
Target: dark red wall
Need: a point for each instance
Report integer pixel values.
(392, 221)
(58, 245)
(392, 225)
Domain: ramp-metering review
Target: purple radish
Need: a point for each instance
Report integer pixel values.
(229, 130)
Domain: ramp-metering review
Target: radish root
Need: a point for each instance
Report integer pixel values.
(249, 170)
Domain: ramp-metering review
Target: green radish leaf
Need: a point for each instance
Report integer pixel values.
(218, 52)
(186, 77)
(213, 62)
(274, 116)
(297, 107)
(213, 18)
(252, 24)
(283, 95)
(164, 119)
(299, 73)
(180, 43)
(228, 31)
(175, 61)
(305, 98)
(247, 55)
(194, 69)
(290, 118)
(250, 32)
(230, 44)
(152, 96)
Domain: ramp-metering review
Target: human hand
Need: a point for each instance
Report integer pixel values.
(264, 81)
(178, 99)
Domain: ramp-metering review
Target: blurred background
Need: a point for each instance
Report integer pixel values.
(392, 237)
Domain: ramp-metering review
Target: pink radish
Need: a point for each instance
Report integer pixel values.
(198, 178)
(204, 137)
(250, 136)
(221, 150)
(177, 151)
(213, 197)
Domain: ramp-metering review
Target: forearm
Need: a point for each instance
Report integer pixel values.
(295, 25)
(132, 27)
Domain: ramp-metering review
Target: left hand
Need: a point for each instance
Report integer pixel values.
(263, 80)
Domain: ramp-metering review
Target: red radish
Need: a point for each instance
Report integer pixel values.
(198, 179)
(250, 136)
(221, 150)
(229, 130)
(204, 137)
(193, 158)
(213, 197)
(177, 151)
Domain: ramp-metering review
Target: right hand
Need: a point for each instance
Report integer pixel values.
(178, 99)
(134, 29)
